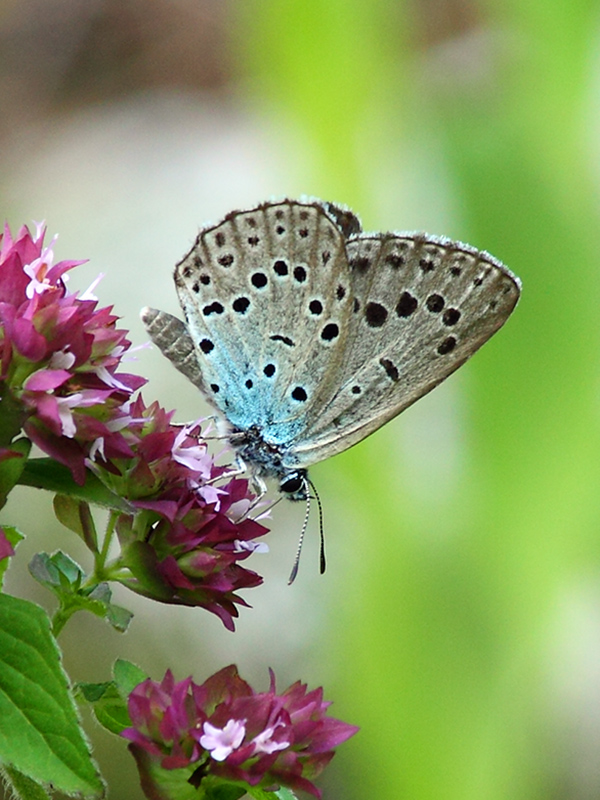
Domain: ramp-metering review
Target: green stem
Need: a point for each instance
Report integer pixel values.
(60, 618)
(12, 416)
(116, 572)
(100, 558)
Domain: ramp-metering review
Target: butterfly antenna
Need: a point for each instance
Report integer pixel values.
(294, 571)
(322, 564)
(308, 483)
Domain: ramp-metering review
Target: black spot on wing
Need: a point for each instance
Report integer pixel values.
(213, 308)
(435, 303)
(375, 314)
(330, 332)
(300, 274)
(259, 280)
(240, 305)
(299, 394)
(407, 304)
(285, 339)
(447, 346)
(390, 368)
(451, 316)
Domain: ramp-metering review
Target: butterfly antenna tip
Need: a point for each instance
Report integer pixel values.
(294, 571)
(308, 483)
(322, 561)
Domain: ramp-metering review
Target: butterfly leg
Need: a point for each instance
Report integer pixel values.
(239, 469)
(258, 486)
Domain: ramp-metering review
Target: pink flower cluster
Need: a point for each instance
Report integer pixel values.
(60, 384)
(223, 729)
(185, 542)
(59, 355)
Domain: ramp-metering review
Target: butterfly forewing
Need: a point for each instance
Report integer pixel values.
(422, 306)
(266, 296)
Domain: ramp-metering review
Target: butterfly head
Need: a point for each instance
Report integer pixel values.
(266, 460)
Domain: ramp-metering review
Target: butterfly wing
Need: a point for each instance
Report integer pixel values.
(171, 336)
(266, 296)
(421, 307)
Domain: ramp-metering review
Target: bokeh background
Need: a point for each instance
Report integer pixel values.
(459, 620)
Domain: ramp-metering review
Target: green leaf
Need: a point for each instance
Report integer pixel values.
(261, 794)
(141, 559)
(188, 783)
(228, 791)
(40, 734)
(57, 572)
(118, 617)
(109, 700)
(76, 516)
(127, 676)
(91, 692)
(14, 537)
(22, 787)
(166, 784)
(44, 473)
(284, 794)
(112, 714)
(110, 709)
(11, 468)
(65, 577)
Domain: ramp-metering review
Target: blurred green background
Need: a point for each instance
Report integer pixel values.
(459, 620)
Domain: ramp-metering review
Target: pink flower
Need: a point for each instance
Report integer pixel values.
(221, 742)
(60, 382)
(59, 354)
(188, 550)
(223, 729)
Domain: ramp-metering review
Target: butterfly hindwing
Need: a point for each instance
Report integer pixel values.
(171, 336)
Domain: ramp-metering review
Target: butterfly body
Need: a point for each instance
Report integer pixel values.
(308, 335)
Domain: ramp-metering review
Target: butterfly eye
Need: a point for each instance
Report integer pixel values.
(292, 483)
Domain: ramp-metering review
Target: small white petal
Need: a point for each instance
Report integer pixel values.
(62, 359)
(253, 547)
(221, 742)
(263, 743)
(88, 294)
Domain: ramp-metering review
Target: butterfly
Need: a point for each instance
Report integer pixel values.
(308, 334)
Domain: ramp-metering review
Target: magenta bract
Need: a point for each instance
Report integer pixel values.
(224, 729)
(60, 359)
